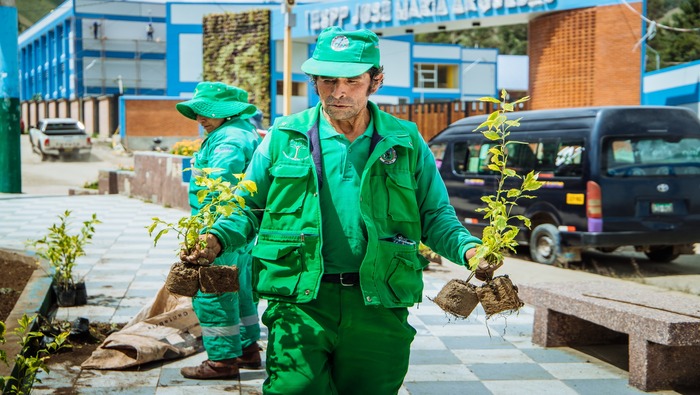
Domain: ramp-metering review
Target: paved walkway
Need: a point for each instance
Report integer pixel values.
(123, 271)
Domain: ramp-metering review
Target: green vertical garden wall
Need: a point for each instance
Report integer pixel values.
(237, 52)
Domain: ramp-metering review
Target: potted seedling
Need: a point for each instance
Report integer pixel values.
(496, 295)
(61, 249)
(186, 278)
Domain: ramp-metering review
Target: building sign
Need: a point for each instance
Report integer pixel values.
(387, 13)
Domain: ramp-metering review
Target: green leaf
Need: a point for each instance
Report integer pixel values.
(491, 135)
(509, 173)
(490, 100)
(522, 100)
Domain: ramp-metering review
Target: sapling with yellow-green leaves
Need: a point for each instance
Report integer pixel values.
(219, 199)
(499, 235)
(498, 294)
(31, 357)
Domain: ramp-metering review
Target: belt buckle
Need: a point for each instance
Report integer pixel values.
(343, 283)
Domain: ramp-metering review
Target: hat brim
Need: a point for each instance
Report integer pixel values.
(194, 107)
(334, 69)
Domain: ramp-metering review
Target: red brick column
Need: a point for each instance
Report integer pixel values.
(585, 57)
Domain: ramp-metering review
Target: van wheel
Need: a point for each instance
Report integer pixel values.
(663, 254)
(544, 244)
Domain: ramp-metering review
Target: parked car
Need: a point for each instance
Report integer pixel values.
(613, 177)
(60, 137)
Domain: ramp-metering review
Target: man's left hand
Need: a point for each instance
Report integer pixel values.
(484, 271)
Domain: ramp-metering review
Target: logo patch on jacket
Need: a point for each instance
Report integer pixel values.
(298, 149)
(388, 157)
(223, 149)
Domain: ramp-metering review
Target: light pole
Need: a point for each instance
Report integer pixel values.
(289, 22)
(10, 163)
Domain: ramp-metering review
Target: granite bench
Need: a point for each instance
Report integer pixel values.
(662, 327)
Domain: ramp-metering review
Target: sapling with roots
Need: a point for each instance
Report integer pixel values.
(499, 235)
(219, 199)
(498, 238)
(223, 201)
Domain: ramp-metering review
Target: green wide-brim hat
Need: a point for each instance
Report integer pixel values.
(343, 54)
(217, 100)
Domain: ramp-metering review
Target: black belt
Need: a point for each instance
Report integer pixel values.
(346, 279)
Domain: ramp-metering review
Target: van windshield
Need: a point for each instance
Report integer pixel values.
(652, 156)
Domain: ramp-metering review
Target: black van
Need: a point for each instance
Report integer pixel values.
(613, 176)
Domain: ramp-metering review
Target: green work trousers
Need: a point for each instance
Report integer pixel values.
(336, 345)
(229, 320)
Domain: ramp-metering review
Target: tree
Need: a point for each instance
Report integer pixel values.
(510, 40)
(680, 42)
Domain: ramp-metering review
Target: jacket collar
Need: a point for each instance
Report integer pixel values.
(387, 126)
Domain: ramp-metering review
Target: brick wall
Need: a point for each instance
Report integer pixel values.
(157, 177)
(157, 118)
(585, 57)
(146, 119)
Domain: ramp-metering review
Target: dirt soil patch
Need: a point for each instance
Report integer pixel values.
(83, 343)
(15, 276)
(16, 272)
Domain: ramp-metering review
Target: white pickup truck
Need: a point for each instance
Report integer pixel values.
(60, 137)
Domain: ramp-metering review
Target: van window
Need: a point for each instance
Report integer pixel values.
(568, 159)
(549, 157)
(438, 151)
(468, 157)
(656, 156)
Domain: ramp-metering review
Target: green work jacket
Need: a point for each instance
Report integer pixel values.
(403, 200)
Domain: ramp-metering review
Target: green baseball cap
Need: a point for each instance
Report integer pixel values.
(217, 100)
(343, 54)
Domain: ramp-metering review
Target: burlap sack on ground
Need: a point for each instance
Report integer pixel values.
(167, 328)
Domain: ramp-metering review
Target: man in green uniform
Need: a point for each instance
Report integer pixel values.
(345, 194)
(229, 321)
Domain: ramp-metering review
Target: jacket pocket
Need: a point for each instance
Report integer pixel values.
(394, 197)
(402, 197)
(404, 271)
(289, 187)
(277, 267)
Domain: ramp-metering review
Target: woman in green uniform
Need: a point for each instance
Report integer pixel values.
(229, 321)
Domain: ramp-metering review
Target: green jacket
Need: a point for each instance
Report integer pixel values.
(401, 194)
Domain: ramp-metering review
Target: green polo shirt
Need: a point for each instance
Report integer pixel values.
(344, 234)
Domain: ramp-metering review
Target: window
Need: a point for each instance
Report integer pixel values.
(549, 157)
(468, 158)
(436, 76)
(298, 88)
(438, 151)
(656, 156)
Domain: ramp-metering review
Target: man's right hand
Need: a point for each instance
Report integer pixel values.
(203, 256)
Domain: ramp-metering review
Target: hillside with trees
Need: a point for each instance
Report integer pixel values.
(30, 11)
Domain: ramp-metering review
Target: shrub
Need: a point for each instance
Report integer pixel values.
(186, 147)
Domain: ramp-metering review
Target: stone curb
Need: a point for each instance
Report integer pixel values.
(35, 299)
